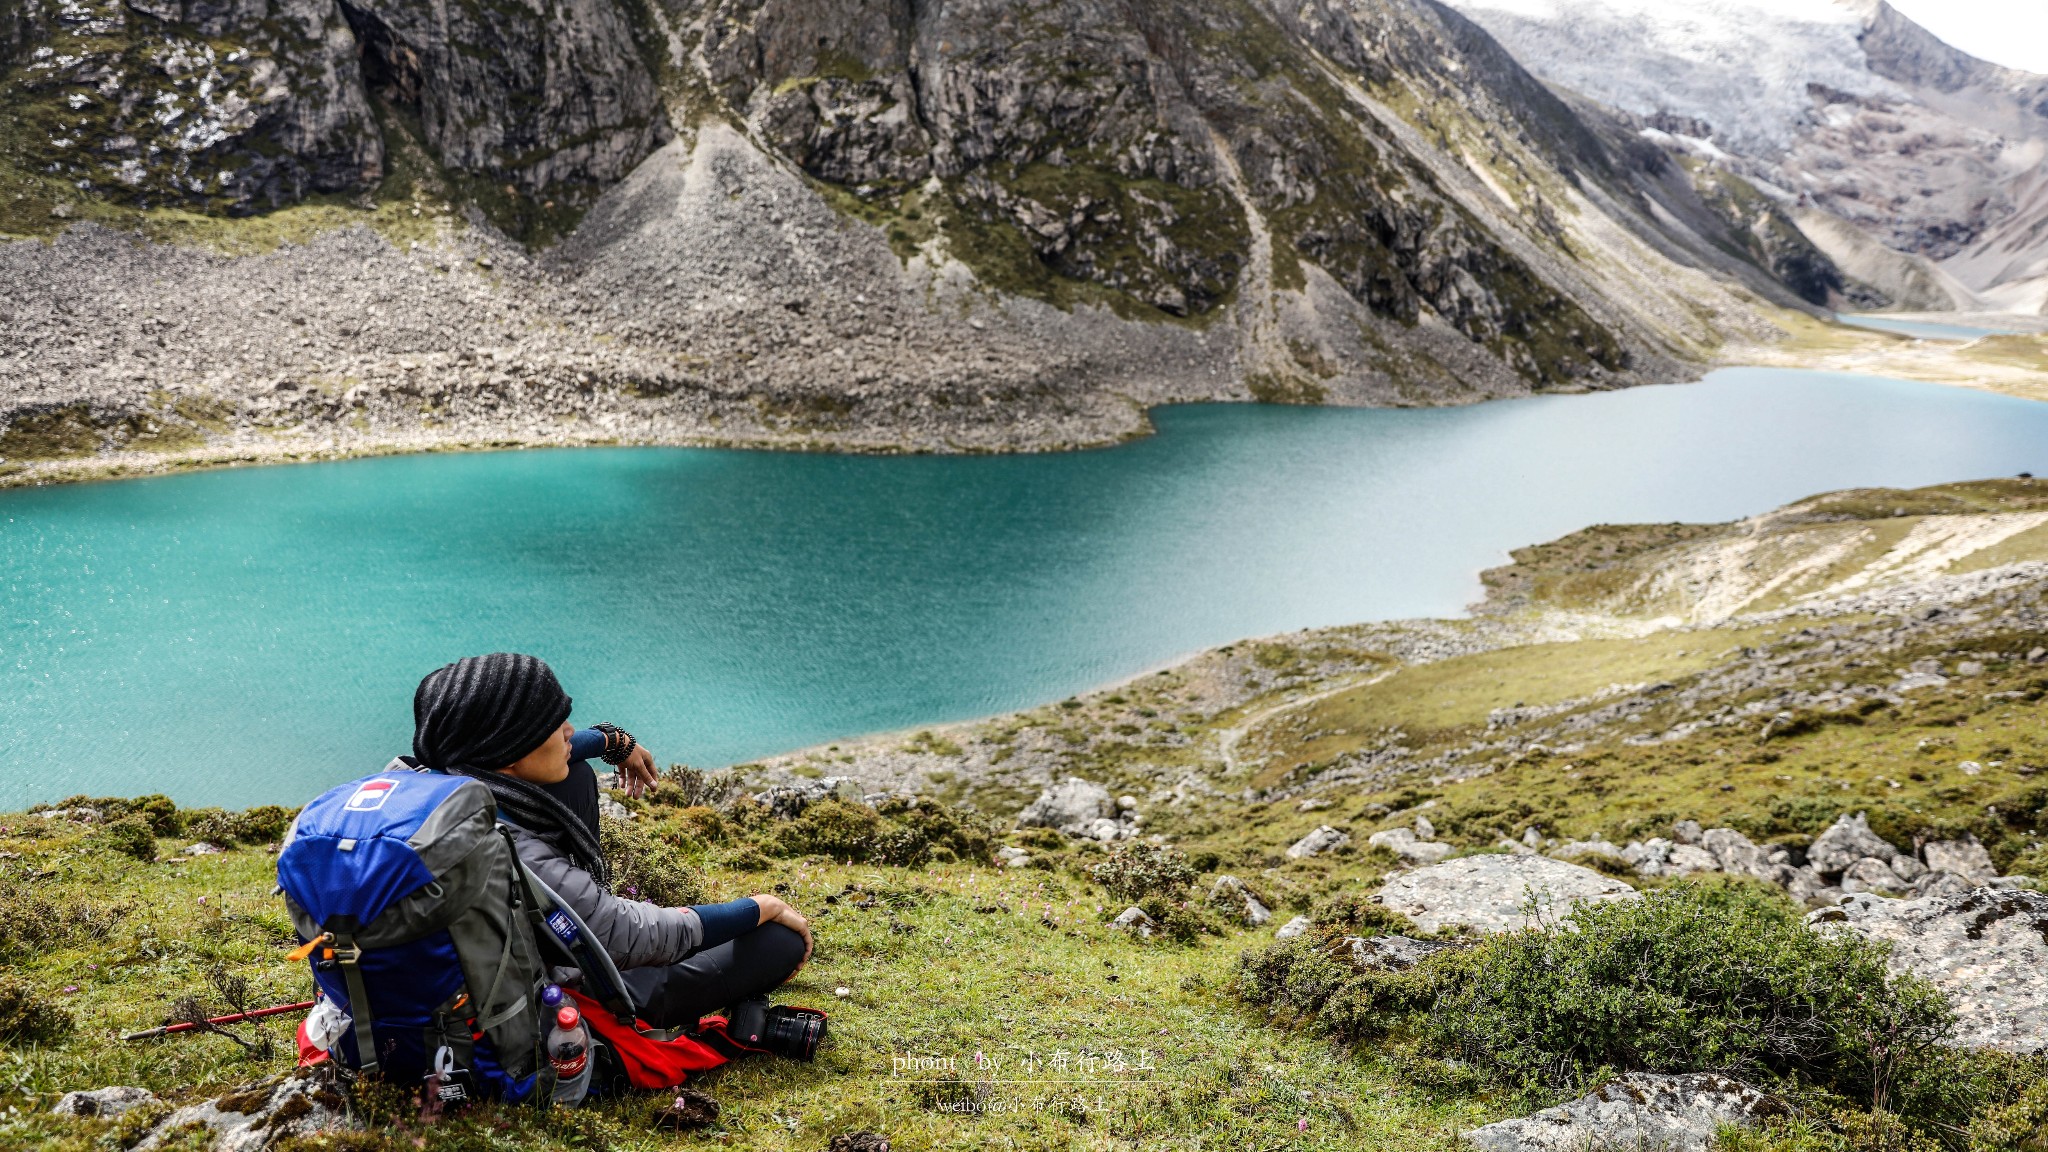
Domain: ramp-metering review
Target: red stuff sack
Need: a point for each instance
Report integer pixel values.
(650, 1061)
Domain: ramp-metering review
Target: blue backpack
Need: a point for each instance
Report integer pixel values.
(418, 917)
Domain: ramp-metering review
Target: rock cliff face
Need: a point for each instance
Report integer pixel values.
(241, 105)
(984, 223)
(1129, 146)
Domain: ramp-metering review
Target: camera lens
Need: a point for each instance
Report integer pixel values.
(793, 1032)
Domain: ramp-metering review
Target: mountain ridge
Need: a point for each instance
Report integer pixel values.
(1841, 106)
(978, 226)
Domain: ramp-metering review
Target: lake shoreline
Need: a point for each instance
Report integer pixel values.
(1811, 346)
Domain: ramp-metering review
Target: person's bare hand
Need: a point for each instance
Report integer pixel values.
(638, 773)
(776, 910)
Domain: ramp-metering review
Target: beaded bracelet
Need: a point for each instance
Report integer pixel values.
(618, 744)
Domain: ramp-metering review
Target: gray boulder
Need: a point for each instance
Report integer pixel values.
(1298, 926)
(1873, 875)
(1848, 840)
(1737, 854)
(255, 1116)
(104, 1102)
(788, 801)
(1573, 849)
(1395, 953)
(1639, 1112)
(1405, 844)
(1497, 893)
(1072, 806)
(1965, 858)
(1942, 884)
(1660, 857)
(1322, 840)
(1986, 949)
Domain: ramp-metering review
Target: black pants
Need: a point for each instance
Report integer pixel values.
(677, 995)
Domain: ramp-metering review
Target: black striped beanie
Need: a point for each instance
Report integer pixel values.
(486, 711)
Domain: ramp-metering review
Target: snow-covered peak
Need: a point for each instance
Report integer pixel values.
(1740, 66)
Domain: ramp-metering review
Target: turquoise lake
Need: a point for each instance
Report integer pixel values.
(253, 635)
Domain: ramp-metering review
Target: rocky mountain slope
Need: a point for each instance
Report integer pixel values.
(1836, 107)
(975, 226)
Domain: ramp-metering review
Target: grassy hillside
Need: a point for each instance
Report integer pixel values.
(1592, 697)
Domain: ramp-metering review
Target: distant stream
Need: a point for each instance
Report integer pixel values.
(251, 636)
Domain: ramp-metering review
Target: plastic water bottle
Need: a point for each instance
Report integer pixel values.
(569, 1052)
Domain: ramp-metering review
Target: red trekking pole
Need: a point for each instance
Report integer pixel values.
(231, 1018)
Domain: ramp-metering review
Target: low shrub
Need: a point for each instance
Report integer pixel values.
(1181, 921)
(158, 810)
(129, 836)
(901, 832)
(264, 824)
(950, 833)
(1136, 870)
(1693, 977)
(25, 1014)
(645, 868)
(31, 920)
(681, 786)
(1697, 977)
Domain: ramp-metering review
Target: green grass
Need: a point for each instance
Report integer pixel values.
(949, 961)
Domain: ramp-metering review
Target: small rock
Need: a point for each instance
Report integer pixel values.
(1424, 830)
(1686, 832)
(1011, 856)
(1872, 875)
(1322, 840)
(1572, 848)
(105, 1102)
(1395, 953)
(1491, 893)
(1312, 805)
(1126, 803)
(1106, 830)
(1298, 926)
(1970, 668)
(2037, 654)
(1641, 1110)
(1230, 894)
(1738, 854)
(1969, 768)
(1533, 837)
(203, 848)
(1936, 884)
(611, 809)
(858, 1142)
(1845, 842)
(1134, 921)
(1072, 806)
(1403, 843)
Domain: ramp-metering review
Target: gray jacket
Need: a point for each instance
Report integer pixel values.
(636, 933)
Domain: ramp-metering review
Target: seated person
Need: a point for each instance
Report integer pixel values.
(503, 719)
